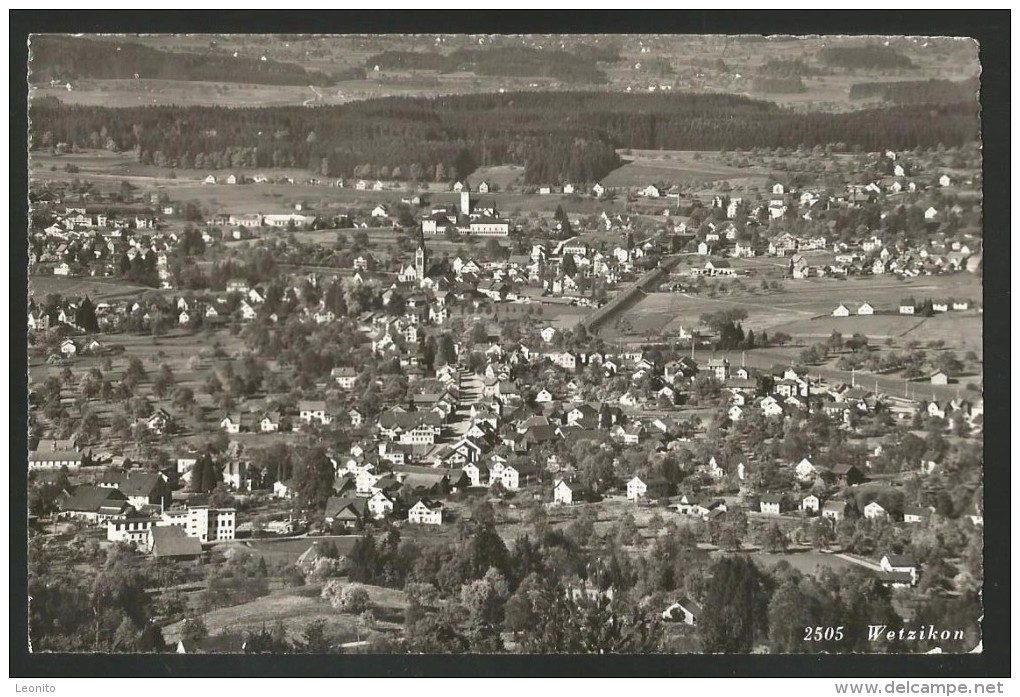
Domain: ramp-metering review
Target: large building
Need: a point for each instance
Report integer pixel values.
(204, 523)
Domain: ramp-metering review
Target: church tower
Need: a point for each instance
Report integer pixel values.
(420, 259)
(465, 202)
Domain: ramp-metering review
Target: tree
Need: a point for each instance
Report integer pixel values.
(314, 478)
(194, 630)
(949, 364)
(790, 611)
(835, 341)
(773, 540)
(349, 598)
(736, 603)
(315, 640)
(857, 342)
(85, 316)
(463, 164)
(205, 475)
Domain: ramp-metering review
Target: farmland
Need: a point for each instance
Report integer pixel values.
(678, 167)
(804, 307)
(100, 289)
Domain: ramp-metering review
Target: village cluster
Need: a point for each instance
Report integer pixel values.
(437, 401)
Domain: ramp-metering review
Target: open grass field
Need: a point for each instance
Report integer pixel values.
(289, 550)
(875, 326)
(963, 331)
(299, 607)
(795, 308)
(151, 92)
(501, 176)
(652, 166)
(806, 562)
(98, 289)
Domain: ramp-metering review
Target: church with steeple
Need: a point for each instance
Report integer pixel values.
(421, 258)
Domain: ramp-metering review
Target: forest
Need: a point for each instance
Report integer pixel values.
(70, 58)
(510, 61)
(562, 136)
(918, 91)
(871, 57)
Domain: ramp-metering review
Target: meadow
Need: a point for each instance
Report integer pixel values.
(679, 167)
(804, 306)
(299, 607)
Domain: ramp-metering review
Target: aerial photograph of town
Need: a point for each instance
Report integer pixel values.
(504, 344)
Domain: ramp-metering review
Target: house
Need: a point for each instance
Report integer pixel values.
(771, 504)
(650, 191)
(171, 541)
(380, 504)
(865, 309)
(899, 564)
(314, 410)
(810, 504)
(270, 423)
(425, 512)
(94, 504)
(284, 489)
(805, 470)
(477, 474)
(975, 512)
(834, 510)
(720, 367)
(907, 306)
(159, 422)
(646, 487)
(345, 376)
(848, 475)
(944, 180)
(210, 179)
(841, 311)
(345, 511)
(598, 190)
(133, 529)
(568, 493)
(684, 610)
(875, 510)
(231, 423)
(916, 514)
(939, 378)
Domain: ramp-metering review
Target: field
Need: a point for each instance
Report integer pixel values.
(297, 608)
(501, 176)
(807, 562)
(99, 290)
(795, 308)
(676, 166)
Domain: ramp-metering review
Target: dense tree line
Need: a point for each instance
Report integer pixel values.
(72, 58)
(918, 91)
(779, 67)
(870, 57)
(565, 133)
(509, 61)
